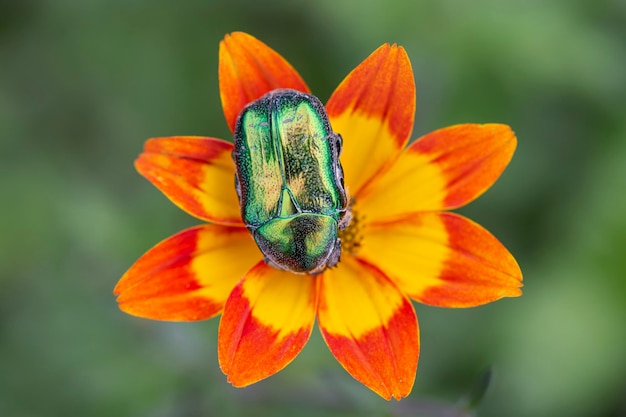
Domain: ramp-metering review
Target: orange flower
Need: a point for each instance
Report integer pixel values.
(401, 244)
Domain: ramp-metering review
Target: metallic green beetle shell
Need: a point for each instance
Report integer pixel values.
(290, 182)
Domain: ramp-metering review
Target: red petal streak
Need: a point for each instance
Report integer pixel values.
(248, 69)
(442, 259)
(195, 173)
(373, 109)
(266, 322)
(188, 276)
(370, 327)
(479, 268)
(382, 86)
(471, 157)
(445, 169)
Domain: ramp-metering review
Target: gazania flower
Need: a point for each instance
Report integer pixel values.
(401, 243)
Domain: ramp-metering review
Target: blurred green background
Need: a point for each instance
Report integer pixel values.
(83, 84)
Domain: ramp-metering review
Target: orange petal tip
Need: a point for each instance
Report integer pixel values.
(188, 276)
(449, 167)
(443, 259)
(248, 69)
(266, 322)
(196, 174)
(373, 109)
(374, 333)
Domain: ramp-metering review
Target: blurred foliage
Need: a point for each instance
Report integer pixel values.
(83, 84)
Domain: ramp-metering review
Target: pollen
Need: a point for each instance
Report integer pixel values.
(352, 235)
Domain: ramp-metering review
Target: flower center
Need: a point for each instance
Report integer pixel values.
(352, 235)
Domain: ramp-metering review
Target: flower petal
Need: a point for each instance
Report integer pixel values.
(442, 259)
(444, 169)
(195, 173)
(373, 110)
(266, 322)
(248, 69)
(188, 276)
(370, 327)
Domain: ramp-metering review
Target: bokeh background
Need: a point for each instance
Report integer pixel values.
(83, 84)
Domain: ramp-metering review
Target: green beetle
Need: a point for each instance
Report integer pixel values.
(290, 182)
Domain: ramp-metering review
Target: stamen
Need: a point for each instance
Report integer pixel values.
(351, 236)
